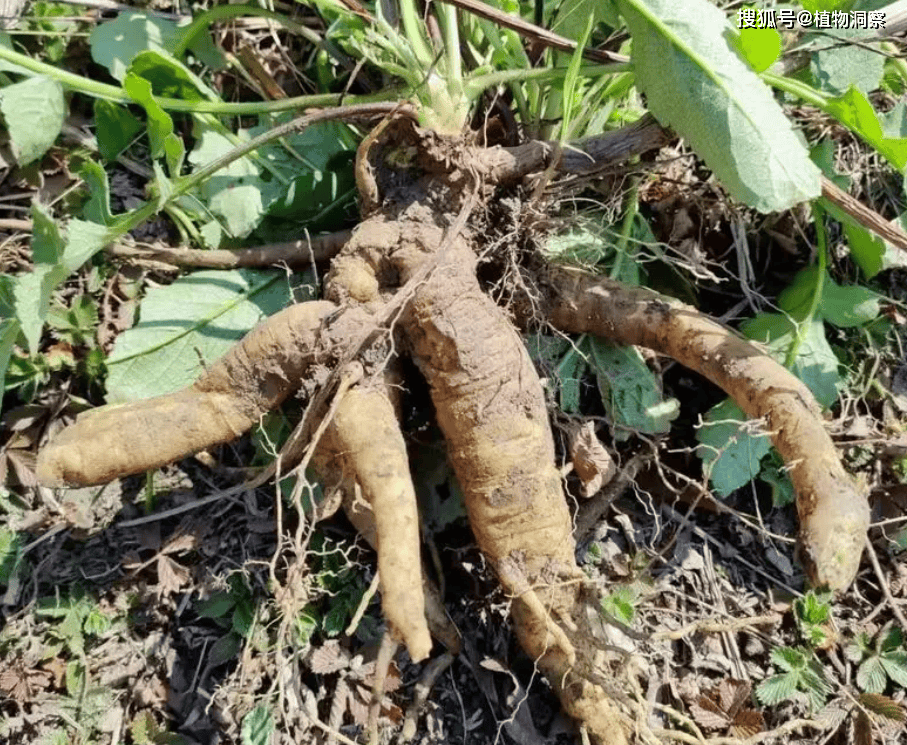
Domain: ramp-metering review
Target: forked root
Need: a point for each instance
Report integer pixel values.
(253, 377)
(833, 511)
(364, 446)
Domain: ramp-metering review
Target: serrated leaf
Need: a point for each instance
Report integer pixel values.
(871, 675)
(855, 111)
(777, 688)
(115, 128)
(188, 324)
(630, 391)
(257, 727)
(33, 111)
(883, 706)
(895, 664)
(695, 83)
(730, 449)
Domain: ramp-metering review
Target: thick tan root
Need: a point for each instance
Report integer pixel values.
(492, 412)
(252, 378)
(833, 511)
(367, 447)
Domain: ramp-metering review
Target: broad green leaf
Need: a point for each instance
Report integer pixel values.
(697, 84)
(257, 727)
(630, 391)
(895, 664)
(871, 675)
(160, 125)
(814, 5)
(730, 448)
(115, 128)
(838, 67)
(83, 240)
(234, 193)
(816, 364)
(169, 77)
(31, 293)
(854, 111)
(33, 111)
(573, 15)
(845, 306)
(114, 44)
(760, 47)
(188, 325)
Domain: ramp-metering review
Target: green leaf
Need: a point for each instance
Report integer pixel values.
(895, 664)
(730, 450)
(10, 553)
(695, 83)
(573, 15)
(115, 128)
(188, 324)
(620, 604)
(224, 649)
(760, 47)
(83, 240)
(630, 391)
(816, 364)
(336, 617)
(160, 125)
(775, 475)
(169, 77)
(840, 305)
(76, 678)
(838, 67)
(776, 689)
(216, 606)
(97, 210)
(114, 44)
(34, 111)
(46, 241)
(854, 110)
(9, 332)
(871, 676)
(257, 727)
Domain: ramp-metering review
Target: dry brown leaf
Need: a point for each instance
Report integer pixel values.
(171, 576)
(724, 707)
(591, 461)
(330, 657)
(21, 683)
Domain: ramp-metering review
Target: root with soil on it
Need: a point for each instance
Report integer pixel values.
(407, 278)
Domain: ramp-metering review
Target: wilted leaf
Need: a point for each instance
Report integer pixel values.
(591, 461)
(883, 706)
